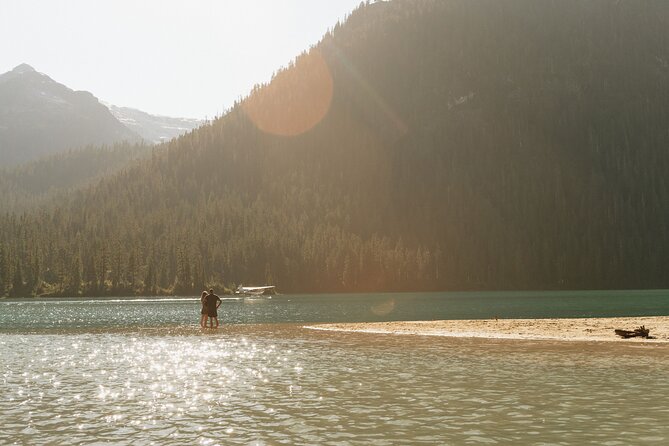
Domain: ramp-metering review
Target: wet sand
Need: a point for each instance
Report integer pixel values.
(583, 329)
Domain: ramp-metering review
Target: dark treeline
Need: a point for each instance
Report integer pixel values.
(465, 144)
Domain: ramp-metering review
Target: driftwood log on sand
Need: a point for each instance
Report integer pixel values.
(640, 332)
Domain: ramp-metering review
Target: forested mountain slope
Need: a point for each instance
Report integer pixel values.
(39, 116)
(423, 144)
(45, 181)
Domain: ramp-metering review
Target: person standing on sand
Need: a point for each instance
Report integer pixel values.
(212, 302)
(203, 311)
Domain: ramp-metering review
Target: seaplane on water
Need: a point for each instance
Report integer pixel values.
(255, 290)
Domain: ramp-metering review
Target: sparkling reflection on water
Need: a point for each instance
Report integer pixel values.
(68, 313)
(282, 384)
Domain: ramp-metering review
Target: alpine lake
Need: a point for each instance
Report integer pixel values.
(141, 371)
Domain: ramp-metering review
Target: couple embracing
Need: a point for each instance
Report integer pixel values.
(210, 303)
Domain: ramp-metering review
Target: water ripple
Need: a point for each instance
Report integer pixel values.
(279, 384)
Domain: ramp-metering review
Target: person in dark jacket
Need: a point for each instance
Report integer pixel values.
(212, 302)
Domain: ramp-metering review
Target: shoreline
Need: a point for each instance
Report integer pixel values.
(569, 330)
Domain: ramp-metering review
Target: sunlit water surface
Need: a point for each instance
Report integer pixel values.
(80, 382)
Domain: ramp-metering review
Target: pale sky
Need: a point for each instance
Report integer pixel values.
(185, 58)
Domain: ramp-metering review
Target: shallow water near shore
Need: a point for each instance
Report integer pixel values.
(144, 379)
(282, 384)
(66, 313)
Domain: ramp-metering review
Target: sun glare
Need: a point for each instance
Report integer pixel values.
(296, 100)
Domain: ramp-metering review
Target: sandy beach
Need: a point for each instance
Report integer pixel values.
(584, 329)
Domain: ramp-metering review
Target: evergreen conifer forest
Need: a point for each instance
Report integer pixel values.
(421, 145)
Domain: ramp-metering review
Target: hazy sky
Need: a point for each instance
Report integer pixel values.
(188, 58)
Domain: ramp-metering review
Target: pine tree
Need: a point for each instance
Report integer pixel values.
(150, 281)
(18, 286)
(89, 275)
(73, 279)
(131, 271)
(4, 271)
(101, 270)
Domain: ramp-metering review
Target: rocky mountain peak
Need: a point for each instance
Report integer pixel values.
(23, 68)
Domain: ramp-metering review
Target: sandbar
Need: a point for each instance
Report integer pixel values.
(578, 329)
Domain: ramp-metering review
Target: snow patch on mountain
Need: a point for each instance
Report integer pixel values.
(153, 128)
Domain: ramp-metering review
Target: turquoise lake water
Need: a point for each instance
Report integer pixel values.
(140, 371)
(25, 314)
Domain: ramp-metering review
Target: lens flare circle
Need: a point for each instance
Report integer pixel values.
(296, 100)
